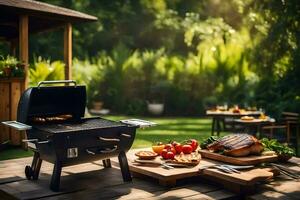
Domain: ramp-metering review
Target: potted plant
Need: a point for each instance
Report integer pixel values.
(155, 104)
(11, 67)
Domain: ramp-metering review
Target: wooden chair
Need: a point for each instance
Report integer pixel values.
(289, 122)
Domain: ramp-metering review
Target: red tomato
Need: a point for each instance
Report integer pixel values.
(178, 147)
(170, 155)
(164, 153)
(187, 149)
(170, 147)
(194, 144)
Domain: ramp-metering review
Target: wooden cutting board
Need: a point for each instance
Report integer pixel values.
(169, 177)
(249, 160)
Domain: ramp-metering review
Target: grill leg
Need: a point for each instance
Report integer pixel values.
(124, 166)
(36, 166)
(55, 180)
(32, 172)
(106, 163)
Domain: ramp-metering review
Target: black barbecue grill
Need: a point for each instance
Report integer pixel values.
(57, 131)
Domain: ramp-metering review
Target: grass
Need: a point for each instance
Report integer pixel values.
(13, 152)
(172, 128)
(169, 128)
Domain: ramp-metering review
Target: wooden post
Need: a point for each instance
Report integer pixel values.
(68, 51)
(23, 56)
(23, 45)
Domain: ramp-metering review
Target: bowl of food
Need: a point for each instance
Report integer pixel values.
(146, 155)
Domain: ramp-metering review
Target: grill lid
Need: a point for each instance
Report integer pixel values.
(52, 101)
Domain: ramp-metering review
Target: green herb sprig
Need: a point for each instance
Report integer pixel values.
(274, 145)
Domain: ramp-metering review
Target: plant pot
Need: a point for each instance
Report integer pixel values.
(7, 71)
(156, 108)
(97, 105)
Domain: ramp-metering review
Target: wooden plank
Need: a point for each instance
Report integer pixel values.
(47, 11)
(246, 177)
(219, 194)
(23, 45)
(15, 136)
(88, 181)
(271, 195)
(249, 160)
(169, 177)
(68, 51)
(4, 110)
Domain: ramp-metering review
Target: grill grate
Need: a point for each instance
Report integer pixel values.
(85, 124)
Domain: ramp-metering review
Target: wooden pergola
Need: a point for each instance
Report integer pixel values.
(18, 20)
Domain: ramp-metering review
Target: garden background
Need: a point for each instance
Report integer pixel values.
(187, 54)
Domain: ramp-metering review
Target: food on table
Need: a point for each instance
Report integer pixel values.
(146, 155)
(170, 147)
(237, 145)
(268, 153)
(208, 141)
(263, 116)
(187, 159)
(170, 155)
(236, 110)
(283, 151)
(173, 148)
(247, 118)
(187, 148)
(158, 147)
(177, 146)
(193, 143)
(167, 154)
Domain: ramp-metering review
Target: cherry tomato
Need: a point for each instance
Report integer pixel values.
(194, 144)
(170, 155)
(164, 153)
(187, 149)
(170, 147)
(178, 147)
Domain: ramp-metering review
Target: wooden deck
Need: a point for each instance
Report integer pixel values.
(92, 181)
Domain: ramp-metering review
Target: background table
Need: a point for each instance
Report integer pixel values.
(219, 116)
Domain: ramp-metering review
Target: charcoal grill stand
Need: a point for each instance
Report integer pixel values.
(32, 172)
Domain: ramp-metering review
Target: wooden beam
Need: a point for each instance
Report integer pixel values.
(68, 51)
(23, 45)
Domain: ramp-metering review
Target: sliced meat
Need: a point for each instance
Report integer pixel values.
(237, 145)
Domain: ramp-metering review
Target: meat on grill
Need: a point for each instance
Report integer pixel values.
(237, 145)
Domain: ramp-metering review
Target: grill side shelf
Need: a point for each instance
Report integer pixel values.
(17, 125)
(138, 122)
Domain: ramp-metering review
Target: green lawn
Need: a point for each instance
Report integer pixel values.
(169, 128)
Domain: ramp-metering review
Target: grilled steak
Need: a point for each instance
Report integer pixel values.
(237, 145)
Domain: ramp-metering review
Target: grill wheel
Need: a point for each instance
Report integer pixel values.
(28, 172)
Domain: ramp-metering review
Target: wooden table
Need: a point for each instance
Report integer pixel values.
(219, 116)
(91, 181)
(254, 125)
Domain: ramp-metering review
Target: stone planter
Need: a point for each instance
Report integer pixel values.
(156, 108)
